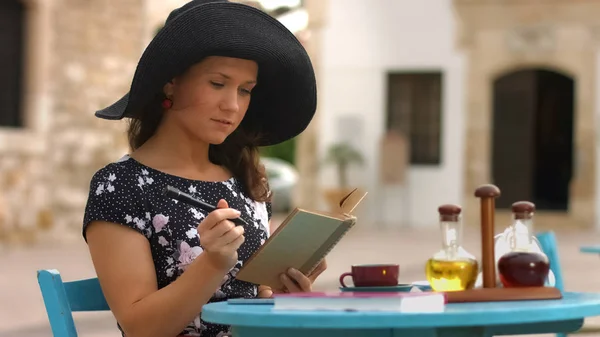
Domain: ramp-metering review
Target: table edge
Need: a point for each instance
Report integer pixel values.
(214, 313)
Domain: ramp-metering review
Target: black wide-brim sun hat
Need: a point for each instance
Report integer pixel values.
(284, 100)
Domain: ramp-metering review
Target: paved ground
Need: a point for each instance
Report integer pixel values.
(22, 310)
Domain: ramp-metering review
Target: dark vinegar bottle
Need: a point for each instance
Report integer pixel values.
(523, 265)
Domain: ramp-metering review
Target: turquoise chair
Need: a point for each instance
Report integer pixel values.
(63, 298)
(549, 247)
(548, 244)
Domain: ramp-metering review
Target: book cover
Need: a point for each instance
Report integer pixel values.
(302, 240)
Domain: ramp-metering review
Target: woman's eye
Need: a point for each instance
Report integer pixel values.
(245, 91)
(217, 85)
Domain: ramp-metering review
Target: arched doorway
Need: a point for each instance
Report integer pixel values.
(532, 142)
(12, 38)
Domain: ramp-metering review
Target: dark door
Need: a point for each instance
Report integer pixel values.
(532, 151)
(554, 141)
(512, 141)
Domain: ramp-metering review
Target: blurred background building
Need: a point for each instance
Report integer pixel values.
(465, 93)
(419, 103)
(61, 60)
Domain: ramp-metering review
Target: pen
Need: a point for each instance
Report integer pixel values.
(176, 194)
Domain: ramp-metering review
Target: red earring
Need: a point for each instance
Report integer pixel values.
(167, 103)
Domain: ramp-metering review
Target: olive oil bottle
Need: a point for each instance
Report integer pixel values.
(452, 268)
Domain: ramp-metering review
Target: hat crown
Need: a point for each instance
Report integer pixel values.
(178, 11)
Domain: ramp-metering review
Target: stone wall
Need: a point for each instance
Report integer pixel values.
(97, 45)
(91, 50)
(23, 198)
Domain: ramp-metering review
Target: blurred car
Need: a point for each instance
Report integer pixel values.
(283, 178)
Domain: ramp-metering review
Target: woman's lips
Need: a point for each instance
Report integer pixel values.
(223, 122)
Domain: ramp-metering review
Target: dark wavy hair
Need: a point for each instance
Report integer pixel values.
(238, 153)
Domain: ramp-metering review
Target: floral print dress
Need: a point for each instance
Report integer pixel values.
(129, 193)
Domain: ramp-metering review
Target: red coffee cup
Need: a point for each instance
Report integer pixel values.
(373, 275)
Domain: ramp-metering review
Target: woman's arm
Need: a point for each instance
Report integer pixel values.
(125, 269)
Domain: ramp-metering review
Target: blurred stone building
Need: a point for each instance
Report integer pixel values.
(484, 91)
(61, 60)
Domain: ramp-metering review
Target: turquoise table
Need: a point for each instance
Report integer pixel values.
(590, 249)
(461, 319)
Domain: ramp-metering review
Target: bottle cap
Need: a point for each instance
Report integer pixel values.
(449, 212)
(523, 209)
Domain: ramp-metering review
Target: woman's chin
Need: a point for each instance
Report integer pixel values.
(216, 140)
(216, 137)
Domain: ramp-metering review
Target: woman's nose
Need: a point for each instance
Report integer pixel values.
(230, 102)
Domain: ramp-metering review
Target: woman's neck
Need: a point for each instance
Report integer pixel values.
(174, 152)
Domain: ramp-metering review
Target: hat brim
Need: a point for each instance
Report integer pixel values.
(284, 100)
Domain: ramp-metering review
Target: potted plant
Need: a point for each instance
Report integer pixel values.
(342, 156)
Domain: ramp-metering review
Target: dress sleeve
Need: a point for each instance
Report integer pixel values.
(269, 202)
(269, 210)
(114, 196)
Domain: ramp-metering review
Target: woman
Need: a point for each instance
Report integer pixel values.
(217, 81)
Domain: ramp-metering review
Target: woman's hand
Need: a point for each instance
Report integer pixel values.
(220, 237)
(294, 281)
(264, 292)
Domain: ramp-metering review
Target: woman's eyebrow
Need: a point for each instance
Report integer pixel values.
(229, 77)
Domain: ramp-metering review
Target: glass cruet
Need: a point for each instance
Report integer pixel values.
(522, 263)
(452, 268)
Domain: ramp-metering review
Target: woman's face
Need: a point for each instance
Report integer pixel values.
(211, 98)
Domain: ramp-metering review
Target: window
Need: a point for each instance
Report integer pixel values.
(12, 18)
(414, 109)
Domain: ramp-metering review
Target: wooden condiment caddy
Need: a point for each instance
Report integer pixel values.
(490, 292)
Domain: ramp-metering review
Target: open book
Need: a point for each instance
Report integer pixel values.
(302, 240)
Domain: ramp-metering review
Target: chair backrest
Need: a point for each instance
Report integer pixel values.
(63, 298)
(549, 246)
